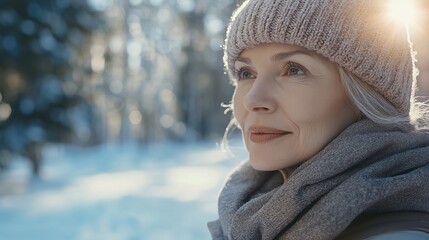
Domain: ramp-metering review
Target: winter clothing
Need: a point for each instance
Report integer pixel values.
(401, 235)
(400, 223)
(367, 169)
(356, 34)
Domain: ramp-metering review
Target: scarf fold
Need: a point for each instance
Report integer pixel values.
(368, 168)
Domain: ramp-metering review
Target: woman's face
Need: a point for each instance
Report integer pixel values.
(289, 103)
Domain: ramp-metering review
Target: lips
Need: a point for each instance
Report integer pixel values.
(262, 134)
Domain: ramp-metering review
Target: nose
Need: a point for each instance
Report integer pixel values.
(260, 98)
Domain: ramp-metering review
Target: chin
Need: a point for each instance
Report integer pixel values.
(263, 165)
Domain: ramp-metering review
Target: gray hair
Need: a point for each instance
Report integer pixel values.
(374, 106)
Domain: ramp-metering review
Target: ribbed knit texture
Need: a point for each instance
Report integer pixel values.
(367, 169)
(356, 34)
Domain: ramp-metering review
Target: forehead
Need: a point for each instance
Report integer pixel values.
(276, 52)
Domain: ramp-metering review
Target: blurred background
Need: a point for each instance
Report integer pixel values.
(111, 116)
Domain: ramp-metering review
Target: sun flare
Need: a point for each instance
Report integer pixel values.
(404, 12)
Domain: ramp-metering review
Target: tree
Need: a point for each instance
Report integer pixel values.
(41, 48)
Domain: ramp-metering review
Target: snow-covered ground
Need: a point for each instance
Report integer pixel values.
(164, 191)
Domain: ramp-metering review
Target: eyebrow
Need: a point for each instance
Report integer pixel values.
(280, 56)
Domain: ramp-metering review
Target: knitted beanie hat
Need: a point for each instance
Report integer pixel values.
(356, 34)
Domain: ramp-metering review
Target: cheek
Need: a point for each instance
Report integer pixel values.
(237, 106)
(320, 117)
(316, 107)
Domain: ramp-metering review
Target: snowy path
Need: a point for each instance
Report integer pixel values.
(160, 192)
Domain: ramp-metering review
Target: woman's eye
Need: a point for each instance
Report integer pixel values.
(294, 69)
(243, 74)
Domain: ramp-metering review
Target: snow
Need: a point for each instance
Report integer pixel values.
(163, 191)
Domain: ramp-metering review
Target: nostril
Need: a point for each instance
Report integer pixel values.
(260, 109)
(259, 104)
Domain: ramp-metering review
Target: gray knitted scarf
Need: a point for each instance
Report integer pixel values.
(366, 169)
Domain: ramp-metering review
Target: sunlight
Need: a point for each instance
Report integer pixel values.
(188, 183)
(91, 189)
(404, 12)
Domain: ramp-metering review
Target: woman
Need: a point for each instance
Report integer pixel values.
(337, 146)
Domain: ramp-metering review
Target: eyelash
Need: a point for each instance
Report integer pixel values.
(239, 72)
(286, 68)
(291, 65)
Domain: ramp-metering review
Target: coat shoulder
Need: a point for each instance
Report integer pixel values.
(401, 235)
